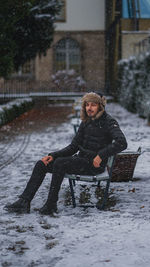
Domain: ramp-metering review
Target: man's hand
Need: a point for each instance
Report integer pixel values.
(47, 159)
(97, 161)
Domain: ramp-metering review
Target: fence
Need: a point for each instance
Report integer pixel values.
(26, 87)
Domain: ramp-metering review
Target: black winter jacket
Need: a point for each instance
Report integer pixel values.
(101, 136)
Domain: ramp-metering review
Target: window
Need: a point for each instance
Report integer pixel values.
(61, 17)
(27, 70)
(145, 8)
(67, 55)
(142, 46)
(136, 8)
(28, 67)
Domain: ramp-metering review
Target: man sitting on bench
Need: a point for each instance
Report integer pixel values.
(97, 138)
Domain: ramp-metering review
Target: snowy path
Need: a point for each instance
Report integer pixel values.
(119, 237)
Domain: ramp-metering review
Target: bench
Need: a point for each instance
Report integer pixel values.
(119, 168)
(75, 124)
(105, 176)
(76, 118)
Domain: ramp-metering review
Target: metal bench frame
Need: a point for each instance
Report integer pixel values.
(106, 176)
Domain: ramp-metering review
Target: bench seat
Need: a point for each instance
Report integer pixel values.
(89, 178)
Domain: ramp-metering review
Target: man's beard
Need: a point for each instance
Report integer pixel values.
(90, 114)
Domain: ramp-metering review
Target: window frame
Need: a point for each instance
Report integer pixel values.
(67, 53)
(21, 73)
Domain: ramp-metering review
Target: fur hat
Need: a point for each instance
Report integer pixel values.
(95, 98)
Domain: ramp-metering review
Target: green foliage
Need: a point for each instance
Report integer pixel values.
(134, 84)
(10, 13)
(26, 29)
(13, 110)
(35, 31)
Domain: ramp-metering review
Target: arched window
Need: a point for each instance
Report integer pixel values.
(67, 55)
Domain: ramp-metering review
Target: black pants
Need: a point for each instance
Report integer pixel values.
(58, 168)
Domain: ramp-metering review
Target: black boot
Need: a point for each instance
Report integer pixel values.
(20, 206)
(48, 208)
(51, 204)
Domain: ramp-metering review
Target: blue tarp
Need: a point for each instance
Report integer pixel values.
(144, 8)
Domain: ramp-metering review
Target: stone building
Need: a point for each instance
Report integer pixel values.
(127, 26)
(90, 37)
(78, 46)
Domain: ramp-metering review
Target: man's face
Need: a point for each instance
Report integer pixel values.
(91, 109)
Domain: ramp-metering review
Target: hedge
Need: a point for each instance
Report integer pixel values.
(13, 109)
(133, 90)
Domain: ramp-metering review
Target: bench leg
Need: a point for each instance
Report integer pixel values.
(98, 184)
(102, 206)
(72, 193)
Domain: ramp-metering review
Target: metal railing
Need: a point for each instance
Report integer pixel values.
(23, 88)
(26, 88)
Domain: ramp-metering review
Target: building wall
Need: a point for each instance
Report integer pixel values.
(130, 38)
(92, 58)
(84, 22)
(43, 67)
(129, 41)
(127, 24)
(82, 15)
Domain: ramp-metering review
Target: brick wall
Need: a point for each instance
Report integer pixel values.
(128, 24)
(129, 40)
(92, 58)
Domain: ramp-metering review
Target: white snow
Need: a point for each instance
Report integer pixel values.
(16, 102)
(9, 106)
(41, 16)
(119, 237)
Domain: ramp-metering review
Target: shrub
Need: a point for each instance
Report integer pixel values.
(13, 109)
(68, 81)
(133, 90)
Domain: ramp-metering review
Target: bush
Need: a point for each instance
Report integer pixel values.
(13, 109)
(133, 90)
(68, 81)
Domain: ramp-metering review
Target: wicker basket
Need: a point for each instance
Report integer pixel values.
(124, 166)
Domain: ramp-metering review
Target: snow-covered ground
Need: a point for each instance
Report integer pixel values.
(118, 237)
